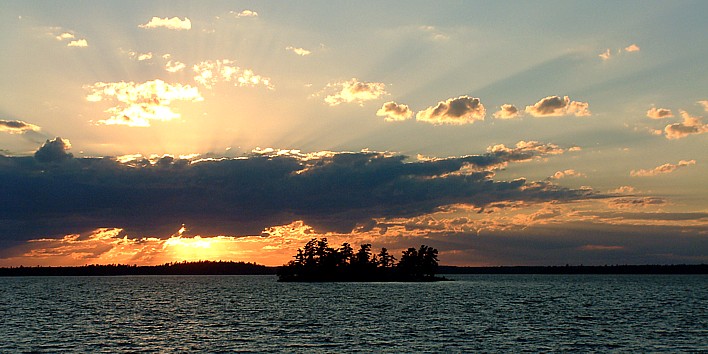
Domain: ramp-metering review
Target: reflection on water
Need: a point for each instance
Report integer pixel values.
(255, 313)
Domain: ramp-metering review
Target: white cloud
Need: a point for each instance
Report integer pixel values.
(460, 110)
(665, 168)
(354, 91)
(174, 23)
(64, 36)
(81, 43)
(394, 112)
(659, 113)
(690, 125)
(507, 111)
(174, 66)
(245, 13)
(556, 106)
(299, 51)
(211, 72)
(138, 104)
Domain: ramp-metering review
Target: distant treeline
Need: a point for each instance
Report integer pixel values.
(581, 269)
(242, 268)
(178, 268)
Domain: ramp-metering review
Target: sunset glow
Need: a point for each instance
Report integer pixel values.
(500, 133)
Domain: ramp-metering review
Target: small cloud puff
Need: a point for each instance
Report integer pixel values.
(631, 48)
(354, 91)
(659, 113)
(690, 125)
(140, 103)
(704, 104)
(245, 13)
(605, 55)
(665, 168)
(299, 51)
(555, 106)
(17, 127)
(211, 72)
(80, 43)
(64, 36)
(507, 111)
(637, 202)
(394, 112)
(54, 150)
(174, 23)
(566, 174)
(457, 111)
(174, 66)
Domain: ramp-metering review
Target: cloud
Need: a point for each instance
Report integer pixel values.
(659, 113)
(665, 168)
(394, 112)
(174, 66)
(140, 103)
(636, 202)
(54, 150)
(566, 174)
(704, 104)
(435, 33)
(299, 51)
(507, 111)
(353, 91)
(64, 36)
(623, 190)
(555, 106)
(210, 72)
(174, 23)
(330, 191)
(603, 248)
(632, 48)
(244, 13)
(605, 55)
(81, 43)
(690, 125)
(17, 127)
(457, 111)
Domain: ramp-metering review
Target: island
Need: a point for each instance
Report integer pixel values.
(318, 262)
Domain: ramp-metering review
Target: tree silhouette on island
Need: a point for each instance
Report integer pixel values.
(318, 262)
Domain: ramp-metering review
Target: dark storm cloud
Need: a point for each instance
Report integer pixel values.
(54, 150)
(331, 192)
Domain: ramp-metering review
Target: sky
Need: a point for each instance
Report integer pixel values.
(498, 132)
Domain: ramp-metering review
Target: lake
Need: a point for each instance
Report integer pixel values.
(511, 313)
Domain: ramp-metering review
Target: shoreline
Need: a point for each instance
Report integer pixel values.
(241, 268)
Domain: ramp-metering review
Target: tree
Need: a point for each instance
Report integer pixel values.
(385, 259)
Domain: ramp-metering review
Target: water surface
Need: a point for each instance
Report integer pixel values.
(638, 313)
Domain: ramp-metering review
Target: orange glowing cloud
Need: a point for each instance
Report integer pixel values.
(456, 111)
(556, 106)
(663, 169)
(394, 112)
(690, 125)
